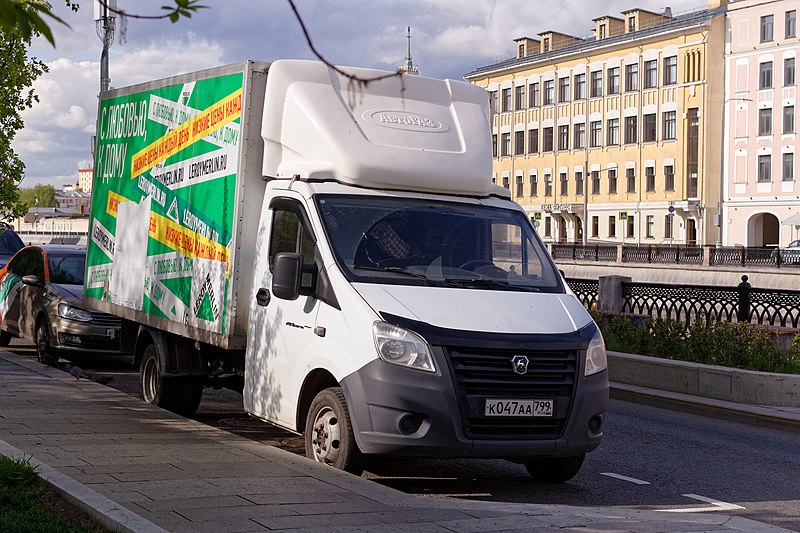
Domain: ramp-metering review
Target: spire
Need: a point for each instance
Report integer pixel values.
(408, 66)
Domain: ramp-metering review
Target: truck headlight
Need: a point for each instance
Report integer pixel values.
(402, 347)
(596, 360)
(74, 313)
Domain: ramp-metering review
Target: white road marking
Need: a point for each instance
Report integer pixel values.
(716, 505)
(625, 478)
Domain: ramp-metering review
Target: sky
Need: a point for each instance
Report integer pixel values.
(449, 39)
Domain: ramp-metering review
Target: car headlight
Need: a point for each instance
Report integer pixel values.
(596, 359)
(74, 313)
(402, 347)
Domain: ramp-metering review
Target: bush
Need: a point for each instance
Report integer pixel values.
(715, 343)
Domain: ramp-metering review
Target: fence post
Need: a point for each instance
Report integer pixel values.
(743, 311)
(620, 254)
(706, 256)
(609, 293)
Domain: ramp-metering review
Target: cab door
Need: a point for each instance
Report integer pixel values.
(281, 335)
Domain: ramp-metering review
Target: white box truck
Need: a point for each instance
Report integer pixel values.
(338, 253)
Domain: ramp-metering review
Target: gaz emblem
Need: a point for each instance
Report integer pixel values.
(520, 364)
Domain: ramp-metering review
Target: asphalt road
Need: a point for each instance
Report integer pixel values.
(650, 458)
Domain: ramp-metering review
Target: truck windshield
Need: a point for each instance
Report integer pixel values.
(423, 242)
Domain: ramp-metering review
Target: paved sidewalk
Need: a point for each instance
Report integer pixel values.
(139, 468)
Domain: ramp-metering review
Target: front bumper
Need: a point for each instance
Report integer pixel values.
(85, 337)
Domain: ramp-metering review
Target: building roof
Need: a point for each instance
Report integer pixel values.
(694, 18)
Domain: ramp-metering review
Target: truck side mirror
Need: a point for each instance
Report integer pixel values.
(286, 275)
(32, 279)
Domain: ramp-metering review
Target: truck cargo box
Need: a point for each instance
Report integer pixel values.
(177, 170)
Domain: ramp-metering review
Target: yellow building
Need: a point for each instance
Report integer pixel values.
(619, 132)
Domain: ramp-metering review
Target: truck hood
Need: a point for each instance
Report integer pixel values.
(479, 310)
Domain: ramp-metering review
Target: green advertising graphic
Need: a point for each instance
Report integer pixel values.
(163, 201)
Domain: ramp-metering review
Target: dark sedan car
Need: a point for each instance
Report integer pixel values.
(10, 243)
(40, 299)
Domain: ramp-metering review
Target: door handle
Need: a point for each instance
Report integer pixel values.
(263, 297)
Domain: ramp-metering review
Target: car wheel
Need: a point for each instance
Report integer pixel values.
(554, 469)
(181, 395)
(329, 433)
(5, 338)
(42, 341)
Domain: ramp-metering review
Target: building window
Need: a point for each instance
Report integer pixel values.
(563, 137)
(669, 178)
(630, 174)
(533, 95)
(788, 119)
(505, 182)
(595, 134)
(668, 226)
(767, 23)
(547, 141)
(494, 145)
(765, 121)
(765, 75)
(791, 24)
(596, 79)
(549, 92)
(612, 226)
(788, 167)
(578, 183)
(534, 185)
(548, 185)
(563, 89)
(651, 74)
(692, 151)
(650, 179)
(546, 44)
(595, 182)
(612, 181)
(519, 97)
(506, 100)
(649, 128)
(580, 86)
(632, 77)
(764, 168)
(631, 24)
(671, 70)
(564, 184)
(613, 131)
(650, 226)
(788, 72)
(533, 141)
(613, 80)
(580, 136)
(519, 142)
(631, 226)
(631, 129)
(519, 187)
(601, 31)
(595, 227)
(505, 144)
(548, 227)
(493, 102)
(669, 130)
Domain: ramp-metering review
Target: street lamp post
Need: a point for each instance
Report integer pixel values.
(105, 27)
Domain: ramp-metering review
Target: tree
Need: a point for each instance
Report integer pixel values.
(38, 196)
(16, 94)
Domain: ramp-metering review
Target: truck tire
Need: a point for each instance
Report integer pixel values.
(181, 395)
(554, 469)
(329, 433)
(5, 338)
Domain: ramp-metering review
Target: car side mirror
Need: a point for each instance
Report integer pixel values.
(287, 273)
(31, 279)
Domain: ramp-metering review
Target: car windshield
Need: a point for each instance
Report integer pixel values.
(10, 243)
(66, 269)
(423, 242)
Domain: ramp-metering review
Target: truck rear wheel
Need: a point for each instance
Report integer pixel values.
(554, 469)
(181, 395)
(329, 433)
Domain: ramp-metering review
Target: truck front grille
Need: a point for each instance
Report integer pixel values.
(480, 374)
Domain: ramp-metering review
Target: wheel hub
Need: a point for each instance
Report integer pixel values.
(326, 437)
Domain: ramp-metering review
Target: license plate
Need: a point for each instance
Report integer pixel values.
(518, 408)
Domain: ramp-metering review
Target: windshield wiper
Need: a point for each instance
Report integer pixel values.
(398, 270)
(488, 282)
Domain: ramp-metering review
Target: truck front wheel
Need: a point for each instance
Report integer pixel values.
(181, 395)
(329, 433)
(554, 469)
